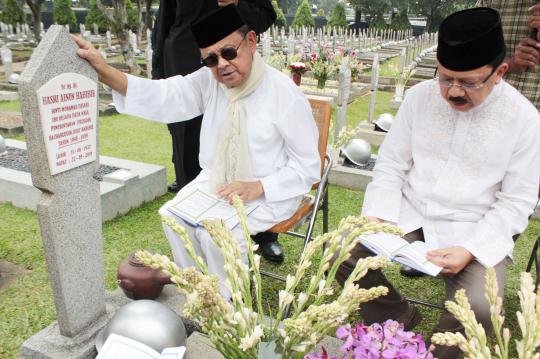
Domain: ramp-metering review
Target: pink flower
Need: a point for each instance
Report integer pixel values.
(388, 340)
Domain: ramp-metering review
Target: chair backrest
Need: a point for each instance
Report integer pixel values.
(322, 113)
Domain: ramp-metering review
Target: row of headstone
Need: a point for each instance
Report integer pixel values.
(17, 32)
(383, 34)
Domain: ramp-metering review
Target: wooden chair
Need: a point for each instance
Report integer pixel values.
(310, 205)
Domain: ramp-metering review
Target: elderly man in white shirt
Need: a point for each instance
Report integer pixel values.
(459, 170)
(258, 136)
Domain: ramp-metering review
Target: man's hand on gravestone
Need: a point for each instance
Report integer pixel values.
(110, 76)
(525, 56)
(247, 191)
(452, 259)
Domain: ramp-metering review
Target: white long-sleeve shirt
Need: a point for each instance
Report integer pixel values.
(468, 179)
(282, 134)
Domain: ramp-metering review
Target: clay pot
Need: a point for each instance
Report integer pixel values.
(297, 78)
(138, 281)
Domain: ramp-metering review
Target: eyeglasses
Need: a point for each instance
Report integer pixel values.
(228, 53)
(448, 83)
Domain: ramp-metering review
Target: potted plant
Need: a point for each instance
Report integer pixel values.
(297, 70)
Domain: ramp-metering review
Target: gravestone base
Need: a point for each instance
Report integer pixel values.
(50, 344)
(350, 177)
(366, 132)
(133, 184)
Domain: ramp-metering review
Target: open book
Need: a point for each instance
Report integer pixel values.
(200, 205)
(120, 347)
(398, 249)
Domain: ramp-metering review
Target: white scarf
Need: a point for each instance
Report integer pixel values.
(232, 161)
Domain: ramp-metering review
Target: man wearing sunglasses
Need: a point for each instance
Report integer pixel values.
(258, 136)
(459, 170)
(176, 53)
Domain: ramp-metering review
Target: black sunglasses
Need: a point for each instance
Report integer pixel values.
(228, 53)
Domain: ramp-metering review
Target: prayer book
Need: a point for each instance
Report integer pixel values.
(120, 347)
(399, 250)
(200, 205)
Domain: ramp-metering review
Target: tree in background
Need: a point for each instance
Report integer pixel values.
(118, 19)
(338, 18)
(95, 16)
(400, 21)
(12, 13)
(373, 9)
(288, 6)
(303, 16)
(436, 10)
(35, 8)
(320, 12)
(280, 19)
(63, 14)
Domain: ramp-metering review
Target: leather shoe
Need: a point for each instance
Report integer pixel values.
(410, 318)
(173, 187)
(269, 247)
(410, 271)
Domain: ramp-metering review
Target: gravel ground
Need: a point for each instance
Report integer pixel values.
(17, 159)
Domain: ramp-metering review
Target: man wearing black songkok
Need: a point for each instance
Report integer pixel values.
(459, 170)
(176, 53)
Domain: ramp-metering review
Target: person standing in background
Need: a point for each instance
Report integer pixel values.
(519, 19)
(175, 52)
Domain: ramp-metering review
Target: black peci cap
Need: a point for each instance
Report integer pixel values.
(217, 25)
(470, 39)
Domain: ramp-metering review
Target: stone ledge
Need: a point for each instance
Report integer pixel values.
(119, 193)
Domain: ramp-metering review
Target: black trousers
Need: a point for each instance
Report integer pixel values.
(185, 145)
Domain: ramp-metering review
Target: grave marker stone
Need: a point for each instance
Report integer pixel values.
(344, 90)
(7, 61)
(149, 53)
(59, 96)
(374, 84)
(108, 37)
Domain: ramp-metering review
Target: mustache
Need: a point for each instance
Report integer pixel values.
(458, 100)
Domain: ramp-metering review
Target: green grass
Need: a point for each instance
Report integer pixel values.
(27, 306)
(10, 106)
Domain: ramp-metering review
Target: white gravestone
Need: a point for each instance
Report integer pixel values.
(343, 94)
(108, 36)
(149, 54)
(374, 84)
(7, 61)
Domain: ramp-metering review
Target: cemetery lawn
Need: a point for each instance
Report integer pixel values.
(27, 306)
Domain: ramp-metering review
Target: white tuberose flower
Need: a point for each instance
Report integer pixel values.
(285, 298)
(250, 341)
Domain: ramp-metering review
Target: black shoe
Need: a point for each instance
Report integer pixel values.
(410, 272)
(269, 247)
(173, 187)
(410, 318)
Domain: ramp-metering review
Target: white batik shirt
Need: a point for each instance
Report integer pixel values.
(468, 179)
(282, 134)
